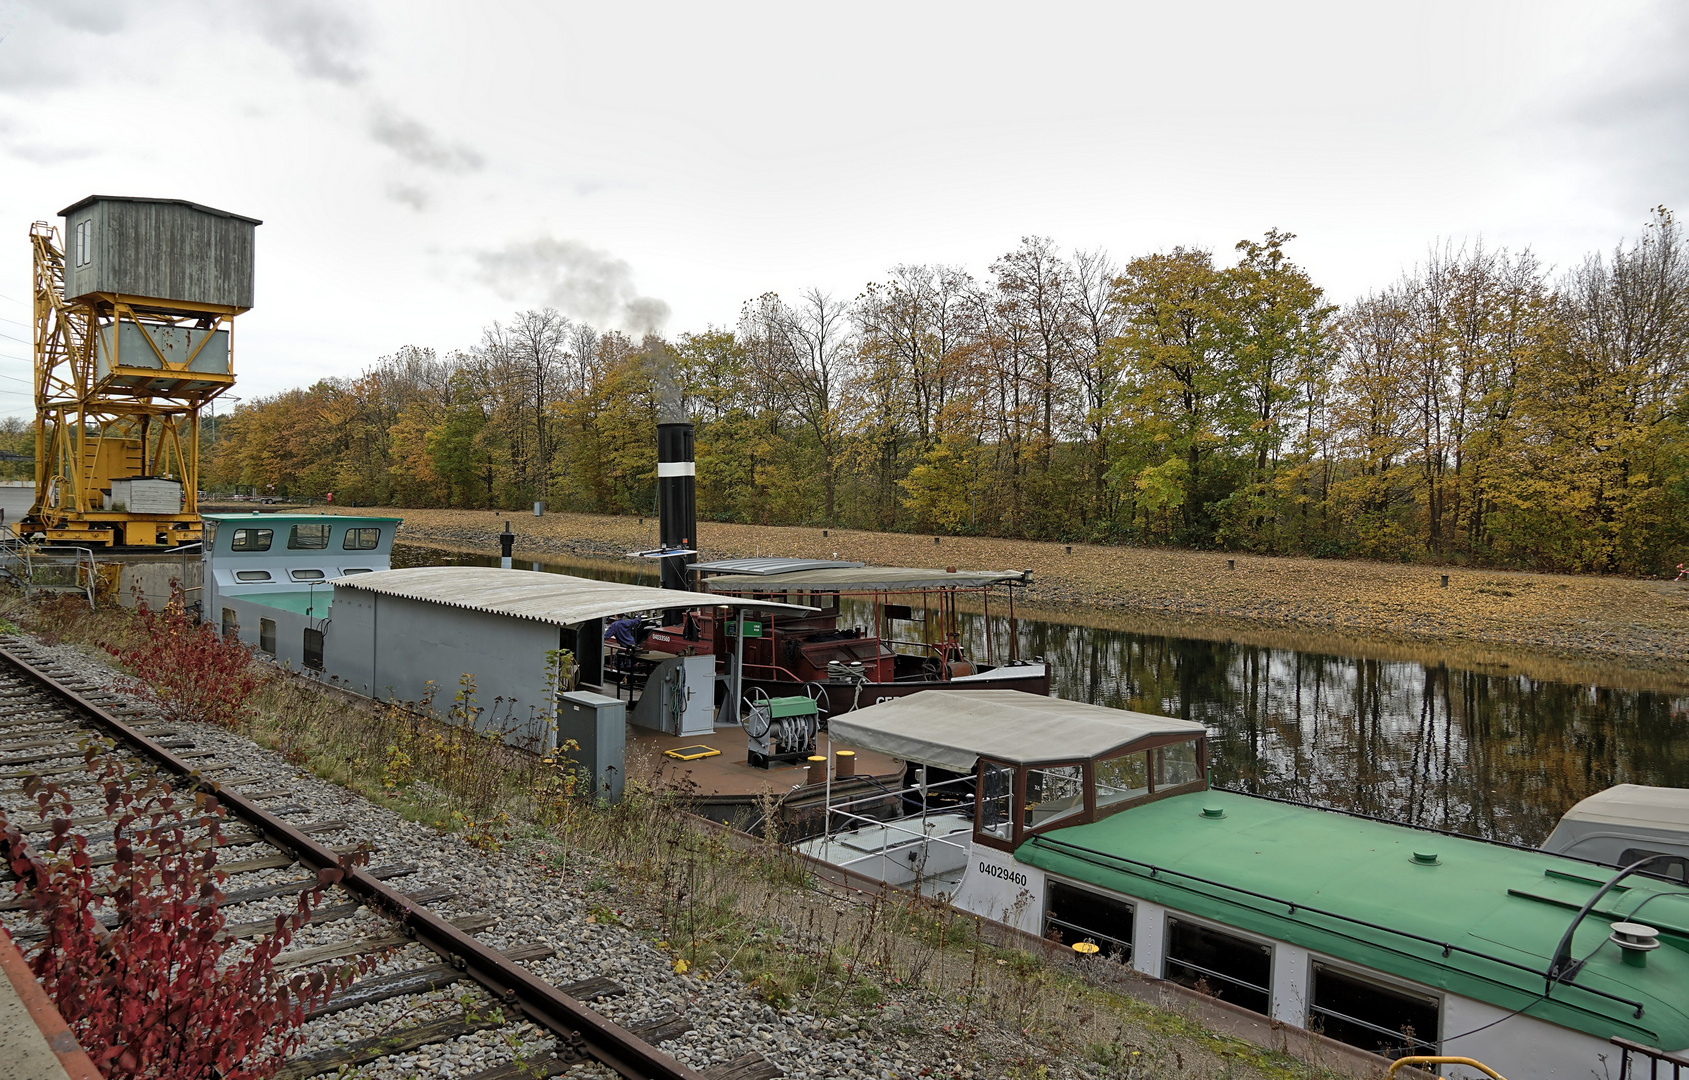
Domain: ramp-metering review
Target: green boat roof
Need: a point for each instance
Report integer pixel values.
(1313, 877)
(294, 600)
(261, 516)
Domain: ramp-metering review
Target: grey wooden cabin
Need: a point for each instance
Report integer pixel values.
(166, 250)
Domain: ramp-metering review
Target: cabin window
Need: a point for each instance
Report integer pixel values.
(314, 649)
(996, 801)
(306, 575)
(312, 537)
(1072, 915)
(1674, 869)
(251, 540)
(1122, 778)
(231, 629)
(354, 570)
(252, 575)
(1387, 1020)
(1176, 764)
(361, 539)
(84, 242)
(210, 528)
(1054, 793)
(1232, 968)
(267, 636)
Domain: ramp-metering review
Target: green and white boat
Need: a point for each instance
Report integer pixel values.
(1087, 824)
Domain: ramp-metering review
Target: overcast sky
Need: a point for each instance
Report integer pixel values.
(423, 169)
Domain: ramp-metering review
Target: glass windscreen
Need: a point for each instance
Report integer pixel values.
(996, 800)
(1122, 778)
(1177, 764)
(1054, 793)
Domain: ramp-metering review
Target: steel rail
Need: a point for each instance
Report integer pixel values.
(576, 1026)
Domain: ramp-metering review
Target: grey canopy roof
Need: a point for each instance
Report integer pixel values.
(529, 594)
(768, 564)
(1635, 804)
(951, 729)
(863, 579)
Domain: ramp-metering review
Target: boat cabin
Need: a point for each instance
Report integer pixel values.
(267, 576)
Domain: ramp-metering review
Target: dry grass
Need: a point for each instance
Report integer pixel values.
(1483, 616)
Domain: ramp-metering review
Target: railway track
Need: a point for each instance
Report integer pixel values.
(47, 713)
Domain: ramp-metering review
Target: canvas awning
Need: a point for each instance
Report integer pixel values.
(529, 594)
(952, 729)
(863, 579)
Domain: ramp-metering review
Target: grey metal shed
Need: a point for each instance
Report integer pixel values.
(413, 633)
(166, 250)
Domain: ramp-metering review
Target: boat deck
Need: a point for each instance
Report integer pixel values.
(729, 776)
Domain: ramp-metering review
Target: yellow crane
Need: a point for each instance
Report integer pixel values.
(133, 321)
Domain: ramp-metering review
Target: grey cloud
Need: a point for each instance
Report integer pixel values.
(414, 197)
(412, 140)
(1638, 118)
(37, 153)
(321, 39)
(580, 281)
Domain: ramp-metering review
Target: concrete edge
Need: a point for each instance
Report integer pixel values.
(75, 1061)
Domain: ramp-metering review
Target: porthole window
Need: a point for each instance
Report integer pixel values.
(361, 539)
(313, 537)
(1072, 915)
(252, 575)
(306, 575)
(354, 570)
(1388, 1020)
(1235, 969)
(251, 540)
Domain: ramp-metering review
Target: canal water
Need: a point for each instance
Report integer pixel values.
(1493, 755)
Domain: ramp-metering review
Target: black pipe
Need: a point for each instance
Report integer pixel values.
(677, 508)
(506, 544)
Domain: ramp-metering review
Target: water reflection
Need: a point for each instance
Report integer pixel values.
(1492, 755)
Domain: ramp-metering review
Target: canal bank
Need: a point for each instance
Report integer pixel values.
(1630, 631)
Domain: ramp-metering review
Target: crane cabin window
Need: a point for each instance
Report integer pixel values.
(361, 539)
(313, 537)
(84, 242)
(251, 540)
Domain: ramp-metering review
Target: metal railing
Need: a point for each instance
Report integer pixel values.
(1655, 1058)
(48, 567)
(889, 827)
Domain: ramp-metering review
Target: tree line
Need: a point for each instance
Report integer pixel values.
(1482, 409)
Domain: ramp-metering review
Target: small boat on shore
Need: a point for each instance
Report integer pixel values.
(1096, 828)
(906, 638)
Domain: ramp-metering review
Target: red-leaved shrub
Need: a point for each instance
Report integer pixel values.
(133, 953)
(188, 667)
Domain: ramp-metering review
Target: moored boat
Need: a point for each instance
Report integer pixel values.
(1096, 826)
(848, 661)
